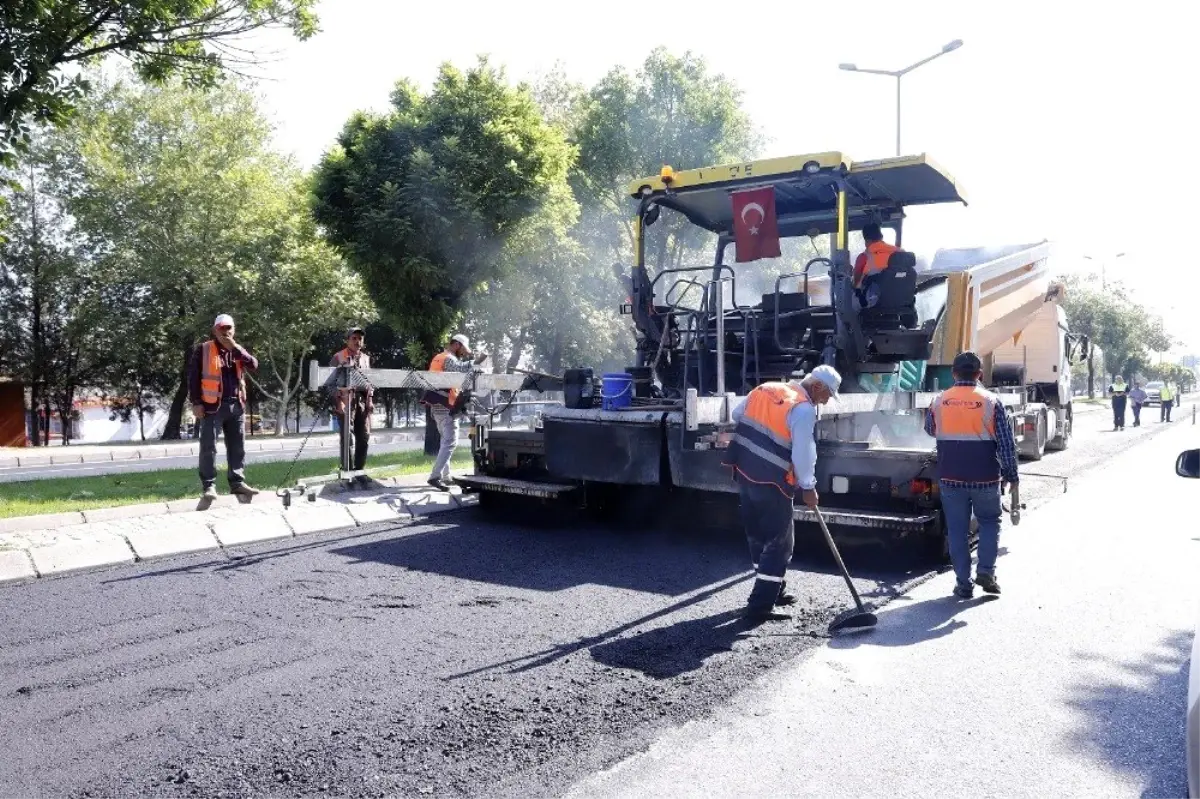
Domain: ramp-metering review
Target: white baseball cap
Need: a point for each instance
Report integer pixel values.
(828, 376)
(461, 339)
(223, 319)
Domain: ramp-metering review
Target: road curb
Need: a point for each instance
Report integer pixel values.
(118, 536)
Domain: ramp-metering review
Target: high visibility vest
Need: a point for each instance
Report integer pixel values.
(437, 398)
(761, 449)
(344, 357)
(1118, 389)
(878, 253)
(1166, 395)
(965, 424)
(210, 375)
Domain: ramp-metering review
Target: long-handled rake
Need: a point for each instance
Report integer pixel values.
(861, 619)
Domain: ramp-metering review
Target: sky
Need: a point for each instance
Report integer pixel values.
(1075, 126)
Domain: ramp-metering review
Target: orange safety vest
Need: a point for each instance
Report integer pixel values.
(761, 449)
(344, 357)
(877, 254)
(965, 427)
(210, 375)
(438, 364)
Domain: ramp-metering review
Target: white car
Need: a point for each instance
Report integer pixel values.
(1188, 465)
(1154, 392)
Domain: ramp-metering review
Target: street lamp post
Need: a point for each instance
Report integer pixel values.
(900, 73)
(1103, 267)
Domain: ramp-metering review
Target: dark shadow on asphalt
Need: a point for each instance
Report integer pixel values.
(909, 624)
(547, 656)
(666, 652)
(1136, 718)
(667, 562)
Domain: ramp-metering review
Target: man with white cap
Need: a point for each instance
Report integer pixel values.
(217, 387)
(773, 453)
(356, 435)
(455, 358)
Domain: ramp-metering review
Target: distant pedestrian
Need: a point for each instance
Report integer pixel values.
(773, 454)
(1137, 398)
(443, 405)
(217, 388)
(1118, 392)
(1167, 396)
(359, 403)
(976, 455)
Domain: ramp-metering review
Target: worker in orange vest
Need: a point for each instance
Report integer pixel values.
(363, 402)
(773, 453)
(217, 388)
(874, 259)
(455, 358)
(976, 455)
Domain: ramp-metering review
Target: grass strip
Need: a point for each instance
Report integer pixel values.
(61, 494)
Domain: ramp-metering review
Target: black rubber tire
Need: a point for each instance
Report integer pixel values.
(1061, 441)
(1040, 450)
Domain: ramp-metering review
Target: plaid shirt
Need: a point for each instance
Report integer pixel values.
(1006, 445)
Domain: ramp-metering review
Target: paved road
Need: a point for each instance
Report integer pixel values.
(1073, 683)
(466, 658)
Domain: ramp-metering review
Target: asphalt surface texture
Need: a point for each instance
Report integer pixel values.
(465, 657)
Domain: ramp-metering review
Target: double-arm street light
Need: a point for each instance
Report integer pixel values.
(900, 73)
(1103, 265)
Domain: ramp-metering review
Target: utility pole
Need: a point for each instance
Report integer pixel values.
(900, 73)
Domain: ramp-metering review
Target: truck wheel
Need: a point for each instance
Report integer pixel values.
(1039, 449)
(936, 545)
(1062, 440)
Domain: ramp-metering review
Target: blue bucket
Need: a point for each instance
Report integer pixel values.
(616, 391)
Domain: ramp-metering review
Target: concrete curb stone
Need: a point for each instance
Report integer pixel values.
(80, 547)
(47, 521)
(125, 512)
(15, 565)
(172, 536)
(36, 546)
(248, 528)
(306, 517)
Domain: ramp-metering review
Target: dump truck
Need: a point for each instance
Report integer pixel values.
(662, 424)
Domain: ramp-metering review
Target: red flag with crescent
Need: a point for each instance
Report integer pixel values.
(755, 228)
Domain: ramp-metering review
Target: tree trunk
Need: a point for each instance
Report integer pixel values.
(1091, 377)
(35, 404)
(281, 410)
(171, 432)
(556, 354)
(432, 439)
(514, 360)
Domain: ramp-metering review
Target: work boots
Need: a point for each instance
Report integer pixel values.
(243, 490)
(785, 599)
(988, 583)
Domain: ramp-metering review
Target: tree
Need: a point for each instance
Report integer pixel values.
(42, 40)
(422, 200)
(53, 296)
(286, 292)
(672, 111)
(1123, 330)
(180, 196)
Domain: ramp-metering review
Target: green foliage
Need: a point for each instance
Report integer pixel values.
(1124, 330)
(45, 41)
(423, 200)
(190, 214)
(672, 111)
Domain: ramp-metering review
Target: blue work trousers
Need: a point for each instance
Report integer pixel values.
(958, 502)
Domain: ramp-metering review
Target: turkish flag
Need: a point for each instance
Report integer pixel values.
(755, 229)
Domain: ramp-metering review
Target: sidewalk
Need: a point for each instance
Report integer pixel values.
(100, 453)
(39, 546)
(1074, 683)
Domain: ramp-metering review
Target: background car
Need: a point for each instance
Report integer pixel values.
(1154, 392)
(1188, 465)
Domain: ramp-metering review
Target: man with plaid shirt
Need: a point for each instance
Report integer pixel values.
(977, 454)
